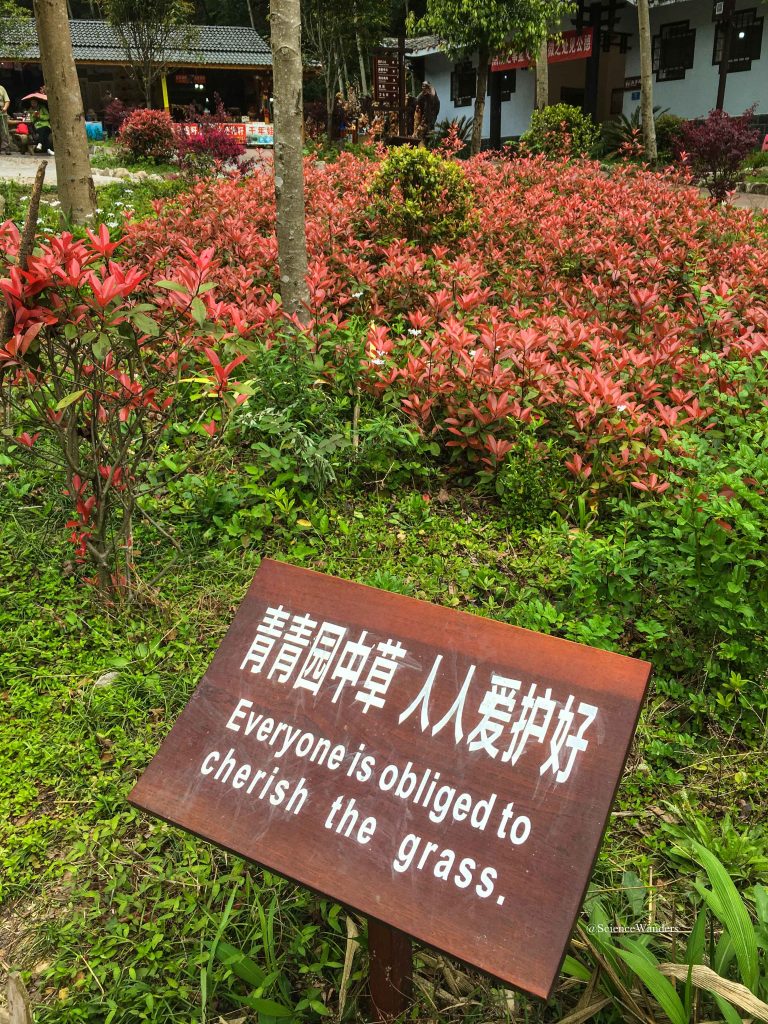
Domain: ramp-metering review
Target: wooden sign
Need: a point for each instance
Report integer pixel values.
(446, 774)
(386, 80)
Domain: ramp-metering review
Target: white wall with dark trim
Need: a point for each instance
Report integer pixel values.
(696, 94)
(515, 112)
(693, 96)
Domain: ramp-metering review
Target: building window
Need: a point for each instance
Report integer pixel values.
(746, 40)
(463, 84)
(507, 83)
(673, 51)
(573, 97)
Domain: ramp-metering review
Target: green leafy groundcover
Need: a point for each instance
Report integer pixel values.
(115, 917)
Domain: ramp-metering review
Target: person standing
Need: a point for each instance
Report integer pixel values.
(5, 138)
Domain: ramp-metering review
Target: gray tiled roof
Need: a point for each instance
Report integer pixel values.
(418, 46)
(214, 46)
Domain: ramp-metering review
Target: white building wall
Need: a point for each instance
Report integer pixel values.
(515, 112)
(696, 94)
(693, 96)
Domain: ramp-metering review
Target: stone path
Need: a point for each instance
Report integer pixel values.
(24, 168)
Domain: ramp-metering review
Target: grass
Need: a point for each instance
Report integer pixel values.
(115, 202)
(120, 912)
(107, 155)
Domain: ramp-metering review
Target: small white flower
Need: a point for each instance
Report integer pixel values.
(414, 332)
(377, 362)
(620, 408)
(356, 295)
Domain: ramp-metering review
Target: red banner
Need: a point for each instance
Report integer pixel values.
(570, 46)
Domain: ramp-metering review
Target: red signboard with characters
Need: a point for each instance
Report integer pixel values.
(570, 46)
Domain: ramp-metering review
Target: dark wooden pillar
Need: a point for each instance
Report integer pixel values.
(494, 80)
(592, 83)
(727, 30)
(391, 970)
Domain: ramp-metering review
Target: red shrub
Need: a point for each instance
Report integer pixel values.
(115, 113)
(717, 146)
(95, 363)
(148, 135)
(621, 312)
(211, 140)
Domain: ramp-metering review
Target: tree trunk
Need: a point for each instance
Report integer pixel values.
(542, 76)
(361, 60)
(77, 194)
(285, 22)
(646, 81)
(483, 60)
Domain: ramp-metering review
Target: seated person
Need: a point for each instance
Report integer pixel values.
(41, 119)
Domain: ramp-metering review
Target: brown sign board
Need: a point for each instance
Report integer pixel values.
(386, 80)
(446, 774)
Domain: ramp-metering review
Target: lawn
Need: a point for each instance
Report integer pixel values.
(541, 399)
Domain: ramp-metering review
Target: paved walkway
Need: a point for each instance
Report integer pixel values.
(24, 168)
(750, 202)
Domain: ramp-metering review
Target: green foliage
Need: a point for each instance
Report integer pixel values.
(742, 850)
(15, 23)
(419, 195)
(127, 919)
(669, 128)
(625, 946)
(116, 202)
(149, 31)
(757, 161)
(561, 131)
(623, 136)
(466, 26)
(528, 479)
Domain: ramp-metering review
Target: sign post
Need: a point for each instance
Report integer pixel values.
(446, 775)
(391, 970)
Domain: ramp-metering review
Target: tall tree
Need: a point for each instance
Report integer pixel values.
(77, 194)
(542, 75)
(487, 27)
(646, 80)
(287, 69)
(149, 31)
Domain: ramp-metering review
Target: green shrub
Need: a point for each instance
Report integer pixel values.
(669, 133)
(421, 196)
(561, 131)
